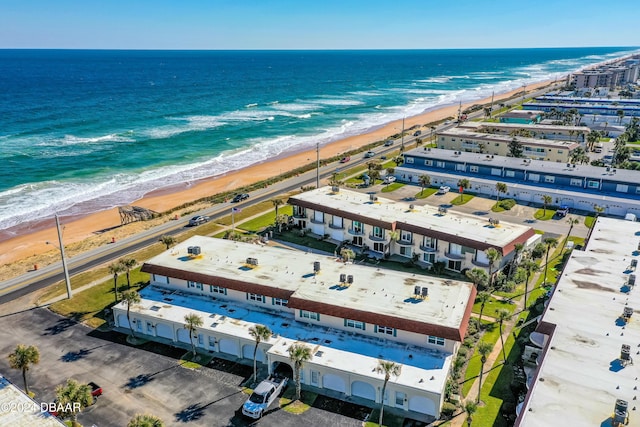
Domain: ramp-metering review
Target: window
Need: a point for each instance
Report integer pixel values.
(168, 280)
(255, 297)
(217, 289)
(509, 174)
(196, 285)
(318, 216)
(534, 177)
(473, 168)
(460, 167)
(139, 324)
(357, 227)
(336, 221)
(212, 341)
(622, 188)
(153, 277)
(429, 257)
(406, 251)
(440, 164)
(559, 151)
(357, 241)
(549, 179)
(309, 315)
(455, 265)
(299, 211)
(576, 182)
(428, 162)
(593, 184)
(378, 232)
(354, 324)
(406, 236)
(496, 171)
(149, 327)
(430, 242)
(378, 247)
(386, 330)
(400, 396)
(409, 160)
(455, 249)
(200, 340)
(436, 340)
(279, 301)
(315, 377)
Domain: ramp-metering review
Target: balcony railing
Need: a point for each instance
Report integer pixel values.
(480, 263)
(315, 221)
(336, 227)
(405, 242)
(375, 238)
(300, 215)
(453, 256)
(356, 231)
(428, 248)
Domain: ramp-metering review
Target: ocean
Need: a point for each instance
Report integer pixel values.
(86, 130)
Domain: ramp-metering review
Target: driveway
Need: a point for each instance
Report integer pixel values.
(136, 380)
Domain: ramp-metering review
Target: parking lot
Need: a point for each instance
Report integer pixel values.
(139, 380)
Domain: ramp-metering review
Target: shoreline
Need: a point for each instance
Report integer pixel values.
(30, 239)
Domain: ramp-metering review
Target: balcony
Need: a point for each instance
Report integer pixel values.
(480, 263)
(315, 221)
(336, 227)
(300, 215)
(405, 242)
(356, 231)
(454, 256)
(375, 238)
(428, 248)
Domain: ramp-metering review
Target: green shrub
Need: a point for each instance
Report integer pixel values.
(469, 342)
(507, 204)
(463, 352)
(448, 409)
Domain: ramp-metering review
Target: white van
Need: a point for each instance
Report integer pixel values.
(598, 147)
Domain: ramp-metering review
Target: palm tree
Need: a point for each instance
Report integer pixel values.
(115, 269)
(130, 298)
(502, 316)
(549, 243)
(22, 358)
(128, 264)
(483, 298)
(425, 181)
(484, 348)
(620, 114)
(432, 128)
(494, 256)
(530, 267)
(478, 277)
(598, 210)
(470, 408)
(463, 184)
(387, 368)
(192, 323)
(146, 420)
(259, 333)
(546, 201)
(501, 187)
(276, 203)
(592, 138)
(572, 222)
(168, 241)
(72, 398)
(347, 254)
(394, 236)
(298, 353)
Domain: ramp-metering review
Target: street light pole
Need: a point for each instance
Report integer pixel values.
(317, 165)
(402, 138)
(64, 259)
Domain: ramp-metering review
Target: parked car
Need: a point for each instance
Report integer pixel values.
(417, 133)
(263, 396)
(197, 220)
(447, 122)
(369, 154)
(389, 143)
(444, 189)
(240, 197)
(345, 159)
(562, 212)
(389, 179)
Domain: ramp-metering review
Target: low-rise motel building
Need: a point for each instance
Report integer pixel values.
(19, 410)
(465, 139)
(425, 234)
(588, 370)
(540, 131)
(350, 316)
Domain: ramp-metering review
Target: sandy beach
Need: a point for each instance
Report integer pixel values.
(30, 247)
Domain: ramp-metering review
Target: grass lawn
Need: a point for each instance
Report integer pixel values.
(462, 200)
(310, 242)
(423, 194)
(247, 211)
(187, 361)
(292, 406)
(264, 221)
(492, 306)
(490, 336)
(516, 294)
(392, 187)
(88, 306)
(543, 215)
(589, 220)
(497, 208)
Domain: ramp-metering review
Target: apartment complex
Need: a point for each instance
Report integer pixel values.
(610, 75)
(464, 139)
(580, 187)
(586, 375)
(385, 227)
(541, 131)
(351, 316)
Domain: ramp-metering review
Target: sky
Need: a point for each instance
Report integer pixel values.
(320, 24)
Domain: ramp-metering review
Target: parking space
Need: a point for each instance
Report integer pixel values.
(136, 380)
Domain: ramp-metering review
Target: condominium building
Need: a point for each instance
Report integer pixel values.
(609, 75)
(586, 374)
(540, 131)
(388, 228)
(350, 316)
(465, 139)
(19, 410)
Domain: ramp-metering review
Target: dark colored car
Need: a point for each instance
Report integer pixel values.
(240, 197)
(197, 220)
(345, 159)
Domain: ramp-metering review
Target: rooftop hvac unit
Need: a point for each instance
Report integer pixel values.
(316, 266)
(194, 250)
(625, 353)
(252, 261)
(416, 290)
(634, 263)
(425, 292)
(350, 279)
(627, 312)
(372, 197)
(620, 412)
(343, 278)
(335, 189)
(632, 280)
(411, 207)
(568, 165)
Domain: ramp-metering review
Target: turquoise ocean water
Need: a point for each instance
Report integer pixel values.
(82, 131)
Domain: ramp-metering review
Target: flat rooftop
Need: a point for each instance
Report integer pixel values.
(531, 165)
(374, 290)
(514, 126)
(580, 377)
(457, 224)
(493, 137)
(19, 410)
(333, 348)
